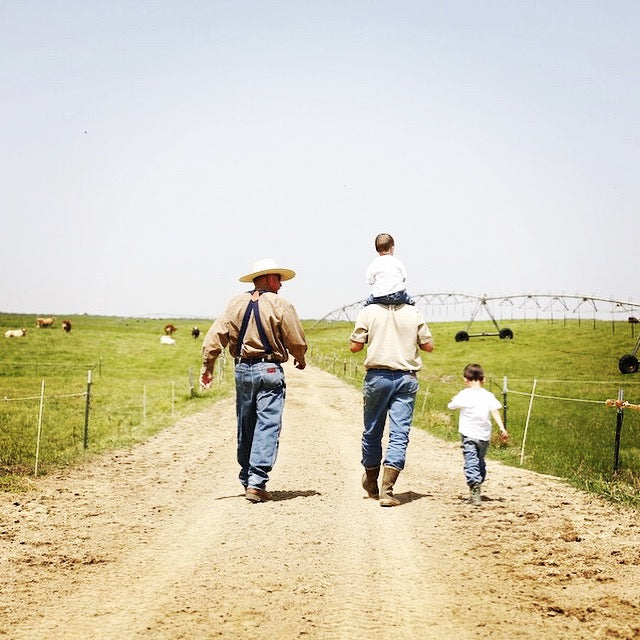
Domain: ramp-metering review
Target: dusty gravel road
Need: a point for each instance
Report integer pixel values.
(159, 542)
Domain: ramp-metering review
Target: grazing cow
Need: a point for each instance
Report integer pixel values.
(15, 333)
(195, 332)
(170, 329)
(66, 325)
(167, 340)
(633, 320)
(45, 323)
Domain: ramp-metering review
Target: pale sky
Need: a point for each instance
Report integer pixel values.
(151, 151)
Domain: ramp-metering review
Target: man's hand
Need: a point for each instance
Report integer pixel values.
(205, 380)
(354, 346)
(299, 365)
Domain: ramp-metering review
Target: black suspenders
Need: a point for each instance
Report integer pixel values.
(252, 308)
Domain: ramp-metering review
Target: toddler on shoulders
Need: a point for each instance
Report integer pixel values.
(387, 275)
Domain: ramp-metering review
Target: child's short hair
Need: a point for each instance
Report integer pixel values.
(473, 372)
(384, 242)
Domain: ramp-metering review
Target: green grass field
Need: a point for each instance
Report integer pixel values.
(572, 437)
(140, 386)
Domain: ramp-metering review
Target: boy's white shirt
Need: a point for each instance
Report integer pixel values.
(387, 275)
(476, 405)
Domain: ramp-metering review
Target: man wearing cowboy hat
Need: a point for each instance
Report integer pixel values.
(260, 329)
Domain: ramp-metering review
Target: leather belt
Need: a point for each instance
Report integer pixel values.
(257, 359)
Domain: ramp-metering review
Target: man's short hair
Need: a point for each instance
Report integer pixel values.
(474, 372)
(384, 242)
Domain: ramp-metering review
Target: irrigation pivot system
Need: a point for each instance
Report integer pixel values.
(504, 334)
(454, 307)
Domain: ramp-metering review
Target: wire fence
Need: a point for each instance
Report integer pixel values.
(59, 422)
(553, 429)
(54, 428)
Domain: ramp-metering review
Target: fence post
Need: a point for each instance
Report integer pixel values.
(619, 418)
(39, 436)
(86, 411)
(424, 401)
(504, 401)
(526, 426)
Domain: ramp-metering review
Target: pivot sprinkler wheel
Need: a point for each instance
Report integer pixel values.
(462, 336)
(506, 334)
(628, 363)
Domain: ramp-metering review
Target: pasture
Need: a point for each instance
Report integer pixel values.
(571, 432)
(138, 386)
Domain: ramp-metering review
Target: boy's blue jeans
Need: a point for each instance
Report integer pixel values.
(260, 394)
(474, 451)
(391, 394)
(399, 297)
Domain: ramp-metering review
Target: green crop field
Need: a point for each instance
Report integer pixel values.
(139, 386)
(570, 431)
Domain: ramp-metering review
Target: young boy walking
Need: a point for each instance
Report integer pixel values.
(477, 407)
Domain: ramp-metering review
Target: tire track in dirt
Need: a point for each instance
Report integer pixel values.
(159, 542)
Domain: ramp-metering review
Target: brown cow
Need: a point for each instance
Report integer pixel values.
(170, 329)
(66, 326)
(45, 323)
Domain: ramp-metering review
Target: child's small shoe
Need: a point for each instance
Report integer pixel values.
(475, 498)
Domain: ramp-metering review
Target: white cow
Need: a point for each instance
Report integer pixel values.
(167, 340)
(15, 333)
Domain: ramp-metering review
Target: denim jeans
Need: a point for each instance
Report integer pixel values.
(399, 297)
(260, 394)
(389, 394)
(474, 451)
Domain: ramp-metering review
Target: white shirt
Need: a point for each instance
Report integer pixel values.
(476, 405)
(387, 275)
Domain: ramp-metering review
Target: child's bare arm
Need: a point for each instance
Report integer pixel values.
(504, 436)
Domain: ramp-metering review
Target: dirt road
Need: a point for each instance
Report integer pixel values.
(159, 542)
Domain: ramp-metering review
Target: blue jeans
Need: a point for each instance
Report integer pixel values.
(260, 394)
(399, 297)
(474, 451)
(389, 394)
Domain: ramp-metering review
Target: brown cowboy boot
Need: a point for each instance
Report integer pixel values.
(253, 494)
(389, 477)
(370, 482)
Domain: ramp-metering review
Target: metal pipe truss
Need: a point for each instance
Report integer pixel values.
(542, 305)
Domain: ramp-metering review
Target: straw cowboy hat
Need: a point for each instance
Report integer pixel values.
(267, 265)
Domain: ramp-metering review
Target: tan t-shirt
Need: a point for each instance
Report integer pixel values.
(393, 334)
(279, 319)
